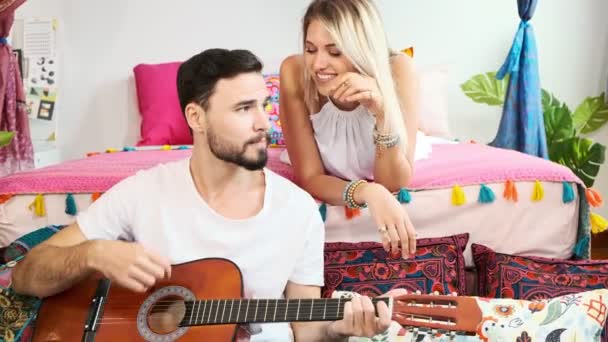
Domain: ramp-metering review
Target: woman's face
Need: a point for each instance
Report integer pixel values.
(322, 58)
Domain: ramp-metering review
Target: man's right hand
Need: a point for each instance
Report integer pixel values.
(128, 264)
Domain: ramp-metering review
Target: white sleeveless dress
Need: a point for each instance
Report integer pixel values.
(346, 143)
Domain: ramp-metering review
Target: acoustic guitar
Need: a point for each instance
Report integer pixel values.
(203, 302)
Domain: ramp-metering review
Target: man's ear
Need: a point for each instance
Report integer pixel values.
(194, 116)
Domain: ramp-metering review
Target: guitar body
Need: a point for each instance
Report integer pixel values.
(63, 317)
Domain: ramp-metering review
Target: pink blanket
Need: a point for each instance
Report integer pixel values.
(449, 164)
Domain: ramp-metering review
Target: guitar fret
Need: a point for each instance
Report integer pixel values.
(266, 311)
(217, 309)
(230, 315)
(324, 310)
(224, 309)
(274, 317)
(238, 312)
(286, 308)
(247, 311)
(257, 303)
(298, 310)
(204, 310)
(191, 313)
(339, 306)
(312, 305)
(210, 308)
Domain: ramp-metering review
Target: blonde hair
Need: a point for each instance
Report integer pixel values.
(357, 30)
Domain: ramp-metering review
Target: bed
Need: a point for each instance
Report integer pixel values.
(508, 201)
(443, 198)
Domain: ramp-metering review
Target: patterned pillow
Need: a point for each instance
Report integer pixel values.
(18, 312)
(574, 317)
(276, 133)
(532, 278)
(366, 268)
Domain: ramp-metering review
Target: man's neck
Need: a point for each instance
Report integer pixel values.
(218, 181)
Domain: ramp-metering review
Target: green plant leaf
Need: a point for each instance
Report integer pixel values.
(554, 311)
(583, 156)
(548, 100)
(558, 123)
(485, 88)
(591, 114)
(6, 138)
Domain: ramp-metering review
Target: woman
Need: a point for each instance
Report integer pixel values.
(349, 107)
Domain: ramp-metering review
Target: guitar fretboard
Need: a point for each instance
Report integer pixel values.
(240, 311)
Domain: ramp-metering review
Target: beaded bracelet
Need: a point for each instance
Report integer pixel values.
(385, 140)
(348, 196)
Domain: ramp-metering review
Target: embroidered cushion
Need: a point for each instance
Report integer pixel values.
(530, 278)
(573, 317)
(366, 268)
(18, 312)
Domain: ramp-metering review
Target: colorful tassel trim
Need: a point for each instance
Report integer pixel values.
(404, 196)
(128, 149)
(486, 195)
(351, 212)
(37, 206)
(458, 196)
(5, 198)
(538, 193)
(594, 198)
(166, 147)
(183, 148)
(510, 192)
(111, 150)
(95, 196)
(598, 223)
(568, 193)
(70, 205)
(90, 154)
(323, 211)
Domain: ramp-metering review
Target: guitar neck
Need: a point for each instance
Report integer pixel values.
(241, 311)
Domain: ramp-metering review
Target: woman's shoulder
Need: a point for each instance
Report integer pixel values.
(292, 72)
(401, 63)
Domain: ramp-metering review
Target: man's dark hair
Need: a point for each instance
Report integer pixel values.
(197, 77)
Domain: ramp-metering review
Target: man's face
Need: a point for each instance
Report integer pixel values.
(237, 126)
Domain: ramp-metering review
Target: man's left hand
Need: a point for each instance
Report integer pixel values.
(360, 319)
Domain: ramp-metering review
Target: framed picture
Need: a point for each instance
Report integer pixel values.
(19, 55)
(45, 110)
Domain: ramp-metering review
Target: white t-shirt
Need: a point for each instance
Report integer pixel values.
(161, 208)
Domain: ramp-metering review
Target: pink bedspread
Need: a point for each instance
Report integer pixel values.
(449, 164)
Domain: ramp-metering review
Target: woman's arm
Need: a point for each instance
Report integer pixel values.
(299, 138)
(393, 168)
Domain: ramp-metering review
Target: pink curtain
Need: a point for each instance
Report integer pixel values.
(19, 154)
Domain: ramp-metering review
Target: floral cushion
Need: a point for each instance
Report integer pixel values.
(507, 276)
(573, 317)
(366, 268)
(276, 132)
(18, 312)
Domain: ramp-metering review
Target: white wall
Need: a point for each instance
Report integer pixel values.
(102, 41)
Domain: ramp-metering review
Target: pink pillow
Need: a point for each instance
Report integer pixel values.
(162, 121)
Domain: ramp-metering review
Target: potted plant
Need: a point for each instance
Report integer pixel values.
(567, 131)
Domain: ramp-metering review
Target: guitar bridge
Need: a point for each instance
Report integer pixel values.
(96, 310)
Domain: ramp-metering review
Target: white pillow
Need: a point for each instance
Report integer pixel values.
(433, 113)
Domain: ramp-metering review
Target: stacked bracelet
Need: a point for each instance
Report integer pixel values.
(349, 194)
(385, 140)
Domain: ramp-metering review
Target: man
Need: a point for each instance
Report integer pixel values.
(220, 202)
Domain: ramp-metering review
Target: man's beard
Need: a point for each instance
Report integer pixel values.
(237, 154)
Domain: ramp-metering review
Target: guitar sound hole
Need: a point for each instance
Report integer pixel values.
(166, 314)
